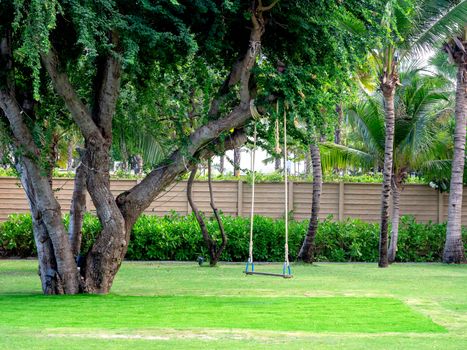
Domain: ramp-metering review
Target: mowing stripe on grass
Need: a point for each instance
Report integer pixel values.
(327, 314)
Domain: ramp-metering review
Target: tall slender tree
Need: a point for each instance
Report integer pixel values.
(454, 247)
(306, 252)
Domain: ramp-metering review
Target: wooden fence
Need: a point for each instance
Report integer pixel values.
(342, 200)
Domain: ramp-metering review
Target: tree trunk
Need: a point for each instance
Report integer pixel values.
(454, 248)
(213, 250)
(307, 250)
(106, 255)
(212, 203)
(50, 280)
(388, 94)
(277, 164)
(236, 164)
(77, 210)
(396, 191)
(222, 164)
(308, 165)
(58, 269)
(138, 165)
(69, 164)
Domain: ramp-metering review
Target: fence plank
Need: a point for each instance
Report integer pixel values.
(341, 200)
(239, 198)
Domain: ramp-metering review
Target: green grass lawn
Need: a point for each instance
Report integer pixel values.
(183, 306)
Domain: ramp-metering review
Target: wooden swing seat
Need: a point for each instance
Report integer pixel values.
(267, 274)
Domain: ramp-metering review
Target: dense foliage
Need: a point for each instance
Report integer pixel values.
(259, 177)
(178, 238)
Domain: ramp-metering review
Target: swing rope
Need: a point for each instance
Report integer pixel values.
(286, 191)
(286, 273)
(252, 213)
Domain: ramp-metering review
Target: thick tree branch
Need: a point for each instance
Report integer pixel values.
(267, 8)
(235, 140)
(80, 113)
(133, 202)
(108, 87)
(8, 102)
(13, 112)
(141, 196)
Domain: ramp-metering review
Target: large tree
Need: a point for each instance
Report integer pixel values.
(183, 73)
(87, 50)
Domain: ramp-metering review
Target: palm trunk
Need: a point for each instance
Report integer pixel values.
(454, 248)
(306, 253)
(396, 191)
(388, 93)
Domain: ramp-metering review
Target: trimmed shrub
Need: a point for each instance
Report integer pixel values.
(16, 237)
(175, 237)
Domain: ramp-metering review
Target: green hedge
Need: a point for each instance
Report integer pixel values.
(178, 238)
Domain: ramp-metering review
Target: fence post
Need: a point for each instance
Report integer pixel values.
(440, 207)
(239, 198)
(341, 201)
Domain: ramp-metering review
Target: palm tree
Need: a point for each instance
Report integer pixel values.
(454, 248)
(419, 143)
(408, 27)
(306, 253)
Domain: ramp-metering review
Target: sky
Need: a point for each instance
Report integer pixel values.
(260, 156)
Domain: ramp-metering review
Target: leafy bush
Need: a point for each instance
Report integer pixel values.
(175, 237)
(260, 177)
(16, 237)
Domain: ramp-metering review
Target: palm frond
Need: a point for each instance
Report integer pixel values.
(150, 148)
(438, 21)
(131, 142)
(348, 22)
(443, 66)
(436, 168)
(367, 117)
(338, 156)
